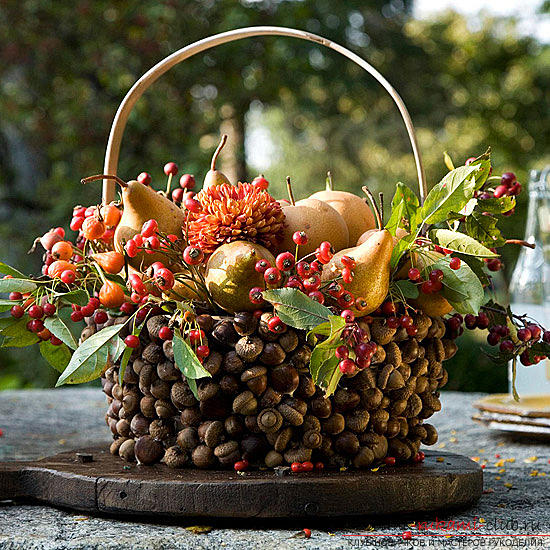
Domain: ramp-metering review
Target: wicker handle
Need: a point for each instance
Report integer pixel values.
(123, 112)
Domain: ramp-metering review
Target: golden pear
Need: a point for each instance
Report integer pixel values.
(215, 177)
(318, 220)
(371, 279)
(140, 204)
(399, 234)
(231, 274)
(356, 212)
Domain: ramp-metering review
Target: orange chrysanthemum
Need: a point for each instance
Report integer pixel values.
(235, 213)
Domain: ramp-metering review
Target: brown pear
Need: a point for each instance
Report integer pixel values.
(371, 279)
(142, 203)
(356, 212)
(231, 274)
(215, 177)
(399, 234)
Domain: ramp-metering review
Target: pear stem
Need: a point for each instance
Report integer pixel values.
(217, 152)
(120, 181)
(290, 193)
(521, 242)
(372, 200)
(381, 201)
(329, 184)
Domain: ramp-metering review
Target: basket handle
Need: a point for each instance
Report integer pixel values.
(136, 91)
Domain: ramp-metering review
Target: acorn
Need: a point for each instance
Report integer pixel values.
(405, 371)
(363, 380)
(130, 376)
(298, 454)
(399, 449)
(168, 372)
(188, 438)
(126, 450)
(431, 435)
(160, 389)
(398, 406)
(379, 356)
(284, 378)
(436, 329)
(379, 420)
(154, 324)
(213, 363)
(358, 420)
(273, 459)
(300, 358)
(227, 453)
(334, 424)
(219, 407)
(152, 353)
(175, 457)
(190, 416)
(393, 427)
(244, 323)
(229, 384)
(233, 426)
(225, 334)
(345, 400)
(147, 375)
(393, 354)
(251, 424)
(409, 350)
(160, 429)
(205, 322)
(283, 439)
(347, 443)
(291, 415)
(395, 380)
(107, 386)
(86, 333)
(202, 456)
(321, 407)
(383, 376)
(269, 420)
(233, 364)
(123, 428)
(249, 348)
(312, 439)
(364, 458)
(252, 447)
(213, 434)
(289, 341)
(444, 379)
(130, 402)
(116, 444)
(168, 350)
(270, 398)
(311, 422)
(117, 392)
(418, 432)
(256, 379)
(208, 389)
(381, 333)
(164, 409)
(450, 348)
(140, 425)
(182, 396)
(306, 387)
(245, 403)
(377, 443)
(272, 354)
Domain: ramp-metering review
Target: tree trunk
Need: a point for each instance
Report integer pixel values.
(234, 157)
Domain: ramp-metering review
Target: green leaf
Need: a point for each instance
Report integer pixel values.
(477, 265)
(6, 305)
(497, 206)
(296, 309)
(329, 328)
(459, 242)
(484, 229)
(57, 356)
(15, 333)
(404, 211)
(452, 193)
(59, 329)
(484, 163)
(461, 287)
(91, 357)
(186, 360)
(405, 289)
(6, 269)
(17, 285)
(116, 348)
(79, 297)
(400, 248)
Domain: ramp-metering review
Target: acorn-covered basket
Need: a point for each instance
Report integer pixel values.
(231, 330)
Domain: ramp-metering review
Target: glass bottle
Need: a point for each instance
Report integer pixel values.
(530, 283)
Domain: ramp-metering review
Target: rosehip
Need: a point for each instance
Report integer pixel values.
(294, 282)
(137, 284)
(138, 239)
(111, 295)
(87, 310)
(255, 295)
(92, 228)
(275, 324)
(193, 255)
(307, 466)
(296, 467)
(262, 265)
(346, 300)
(303, 269)
(347, 275)
(285, 261)
(55, 341)
(260, 183)
(149, 228)
(317, 296)
(76, 223)
(419, 457)
(144, 178)
(300, 238)
(131, 248)
(515, 189)
(494, 264)
(164, 279)
(312, 283)
(389, 461)
(127, 308)
(335, 289)
(348, 315)
(272, 276)
(348, 262)
(187, 181)
(177, 195)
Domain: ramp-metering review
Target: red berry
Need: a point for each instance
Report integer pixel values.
(36, 312)
(193, 256)
(536, 331)
(193, 205)
(500, 191)
(131, 248)
(87, 311)
(149, 228)
(68, 276)
(454, 323)
(312, 283)
(347, 275)
(94, 302)
(272, 276)
(255, 295)
(132, 341)
(419, 457)
(144, 178)
(187, 181)
(316, 267)
(127, 308)
(346, 300)
(240, 465)
(303, 269)
(427, 287)
(76, 316)
(494, 264)
(100, 317)
(300, 238)
(335, 289)
(524, 334)
(506, 346)
(347, 366)
(44, 334)
(469, 161)
(389, 461)
(196, 336)
(348, 315)
(515, 189)
(470, 321)
(362, 362)
(285, 261)
(412, 331)
(17, 311)
(342, 352)
(508, 178)
(202, 351)
(525, 359)
(317, 296)
(307, 466)
(493, 338)
(319, 466)
(307, 533)
(36, 325)
(546, 336)
(275, 324)
(407, 535)
(388, 308)
(60, 231)
(49, 309)
(294, 282)
(260, 183)
(406, 321)
(55, 341)
(414, 274)
(348, 262)
(15, 296)
(171, 168)
(262, 265)
(392, 322)
(296, 467)
(177, 195)
(454, 263)
(166, 333)
(436, 276)
(482, 321)
(76, 223)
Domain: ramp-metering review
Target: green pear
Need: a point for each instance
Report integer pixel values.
(141, 203)
(215, 177)
(371, 280)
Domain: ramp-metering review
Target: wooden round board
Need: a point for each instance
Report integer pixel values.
(108, 485)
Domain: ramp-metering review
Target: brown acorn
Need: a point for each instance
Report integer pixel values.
(175, 457)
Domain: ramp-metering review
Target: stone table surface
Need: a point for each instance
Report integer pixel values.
(515, 503)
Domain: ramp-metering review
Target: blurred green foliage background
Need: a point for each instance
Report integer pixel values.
(289, 107)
